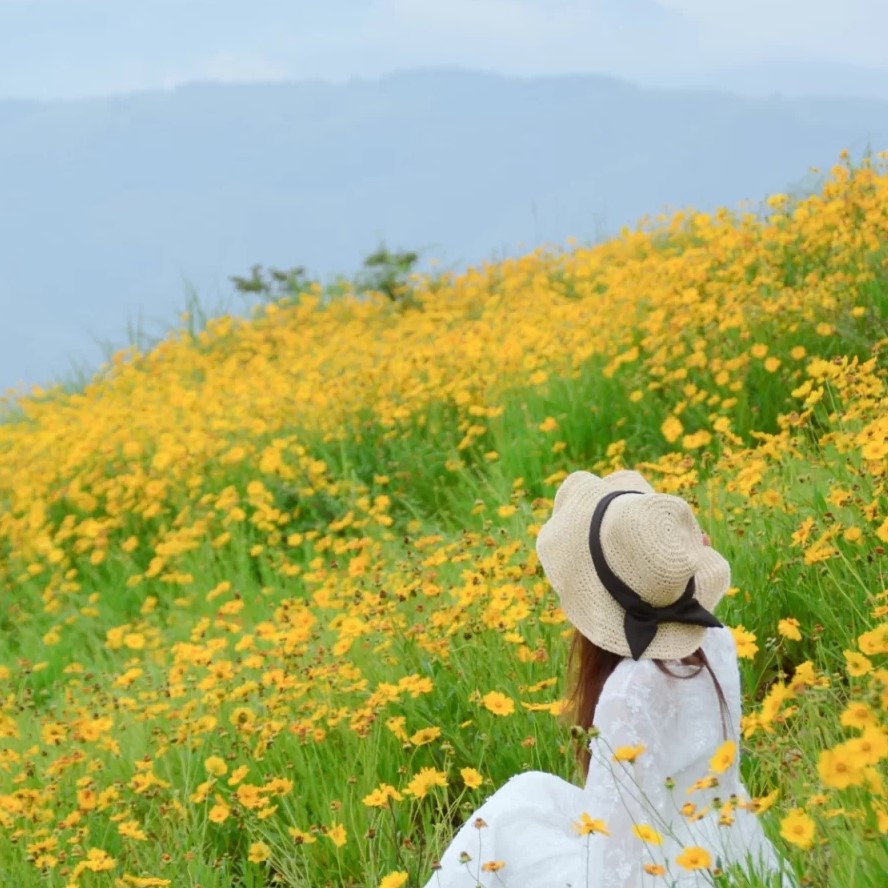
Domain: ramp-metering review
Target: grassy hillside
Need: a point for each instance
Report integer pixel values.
(272, 610)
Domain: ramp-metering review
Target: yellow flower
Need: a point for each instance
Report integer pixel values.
(805, 676)
(704, 783)
(838, 768)
(745, 642)
(789, 628)
(48, 844)
(424, 780)
(300, 837)
(242, 717)
(800, 536)
(655, 869)
(238, 774)
(425, 735)
(492, 866)
(219, 813)
(858, 715)
(798, 828)
(380, 796)
(145, 881)
(694, 858)
(698, 439)
(98, 861)
(471, 777)
(647, 834)
(86, 799)
(507, 511)
(199, 796)
(549, 424)
(130, 829)
(587, 825)
(671, 429)
(498, 704)
(215, 766)
(726, 815)
(875, 641)
(723, 757)
(249, 796)
(134, 640)
(337, 835)
(259, 852)
(852, 534)
(869, 748)
(394, 880)
(628, 753)
(396, 725)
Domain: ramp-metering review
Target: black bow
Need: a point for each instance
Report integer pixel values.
(642, 619)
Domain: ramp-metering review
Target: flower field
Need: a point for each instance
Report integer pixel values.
(272, 611)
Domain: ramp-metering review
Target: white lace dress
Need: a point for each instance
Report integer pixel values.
(530, 820)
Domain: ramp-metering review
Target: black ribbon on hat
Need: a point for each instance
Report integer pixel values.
(642, 619)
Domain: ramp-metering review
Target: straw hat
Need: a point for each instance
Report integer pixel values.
(647, 541)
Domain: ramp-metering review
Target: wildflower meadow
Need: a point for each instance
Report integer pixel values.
(272, 611)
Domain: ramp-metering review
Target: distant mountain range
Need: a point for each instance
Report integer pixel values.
(788, 79)
(110, 207)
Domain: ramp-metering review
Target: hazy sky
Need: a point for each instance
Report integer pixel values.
(66, 48)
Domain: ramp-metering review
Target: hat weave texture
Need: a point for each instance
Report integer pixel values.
(651, 541)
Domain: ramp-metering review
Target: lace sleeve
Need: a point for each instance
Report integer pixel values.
(628, 771)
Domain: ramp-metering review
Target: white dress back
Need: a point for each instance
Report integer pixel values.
(678, 722)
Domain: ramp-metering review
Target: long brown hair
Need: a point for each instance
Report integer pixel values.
(590, 666)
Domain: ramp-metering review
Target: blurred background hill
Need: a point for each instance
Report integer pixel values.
(115, 203)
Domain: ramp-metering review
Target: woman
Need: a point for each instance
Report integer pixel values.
(656, 673)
